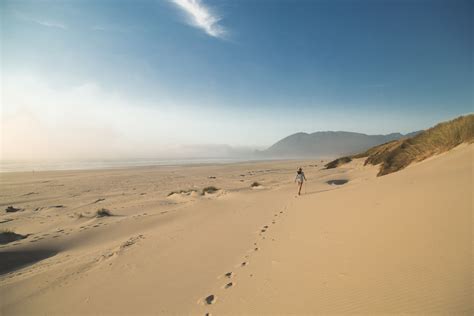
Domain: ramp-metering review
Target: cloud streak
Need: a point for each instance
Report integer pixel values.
(200, 16)
(51, 24)
(45, 23)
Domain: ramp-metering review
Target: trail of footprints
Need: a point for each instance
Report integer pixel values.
(229, 276)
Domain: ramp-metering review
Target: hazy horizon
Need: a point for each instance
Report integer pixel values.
(177, 152)
(189, 78)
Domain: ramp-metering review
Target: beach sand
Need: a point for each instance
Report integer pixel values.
(396, 244)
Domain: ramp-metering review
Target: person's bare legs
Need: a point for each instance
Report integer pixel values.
(300, 185)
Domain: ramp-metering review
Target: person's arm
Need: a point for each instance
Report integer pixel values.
(304, 177)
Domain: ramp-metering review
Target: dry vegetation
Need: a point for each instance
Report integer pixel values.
(209, 190)
(103, 212)
(186, 192)
(11, 209)
(7, 236)
(339, 161)
(398, 154)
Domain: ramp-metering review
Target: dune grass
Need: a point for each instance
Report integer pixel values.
(209, 189)
(103, 212)
(187, 192)
(396, 155)
(338, 162)
(8, 236)
(11, 209)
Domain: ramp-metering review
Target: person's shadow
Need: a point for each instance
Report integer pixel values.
(316, 192)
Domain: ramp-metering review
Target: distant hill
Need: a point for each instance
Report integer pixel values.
(398, 154)
(325, 144)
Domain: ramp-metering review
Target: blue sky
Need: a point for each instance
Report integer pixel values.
(108, 76)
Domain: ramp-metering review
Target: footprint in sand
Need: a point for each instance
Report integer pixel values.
(211, 299)
(229, 275)
(243, 264)
(228, 285)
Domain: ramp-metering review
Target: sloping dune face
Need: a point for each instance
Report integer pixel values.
(398, 154)
(395, 244)
(438, 139)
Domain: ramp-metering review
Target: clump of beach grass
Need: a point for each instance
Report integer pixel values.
(103, 212)
(336, 163)
(11, 209)
(187, 192)
(8, 236)
(209, 190)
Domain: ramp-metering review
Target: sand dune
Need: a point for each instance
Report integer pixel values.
(401, 243)
(397, 244)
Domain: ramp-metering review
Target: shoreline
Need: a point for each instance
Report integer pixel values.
(165, 163)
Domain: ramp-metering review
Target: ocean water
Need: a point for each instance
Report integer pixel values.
(22, 166)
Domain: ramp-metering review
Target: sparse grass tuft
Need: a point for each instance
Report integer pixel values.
(11, 209)
(255, 184)
(210, 190)
(187, 192)
(103, 212)
(338, 162)
(7, 236)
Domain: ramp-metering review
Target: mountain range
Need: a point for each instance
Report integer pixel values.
(326, 144)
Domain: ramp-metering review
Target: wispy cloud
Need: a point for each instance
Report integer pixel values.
(112, 28)
(201, 16)
(51, 24)
(46, 23)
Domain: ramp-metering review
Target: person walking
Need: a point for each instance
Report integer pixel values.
(300, 178)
